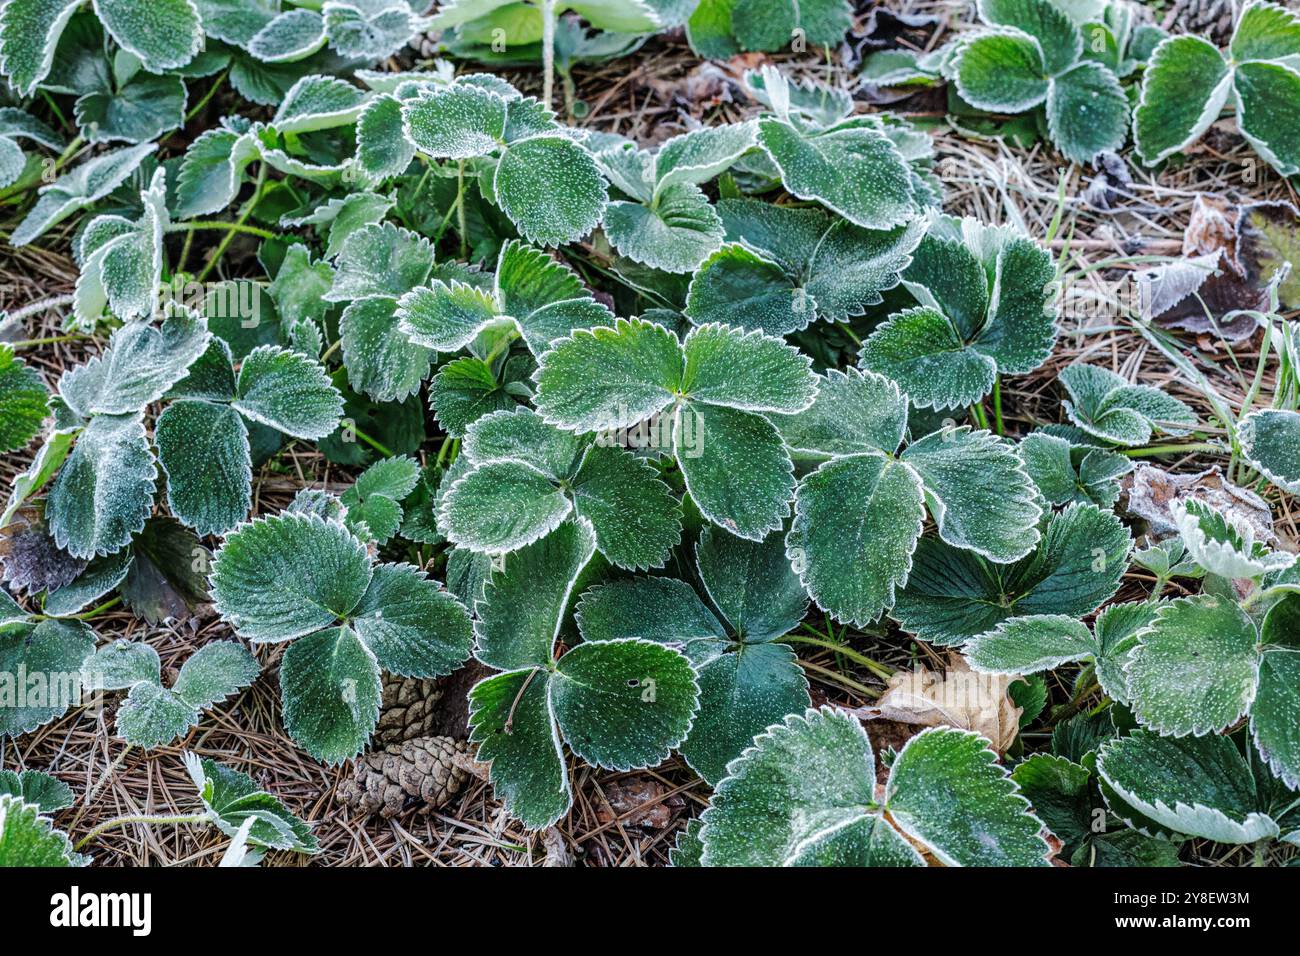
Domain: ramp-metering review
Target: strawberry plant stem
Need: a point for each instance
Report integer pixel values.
(140, 818)
(1170, 450)
(228, 226)
(243, 217)
(880, 670)
(548, 52)
(863, 689)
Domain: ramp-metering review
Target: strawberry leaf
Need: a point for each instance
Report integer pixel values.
(28, 839)
(1195, 786)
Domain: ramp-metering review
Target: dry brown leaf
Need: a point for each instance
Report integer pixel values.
(1211, 228)
(958, 698)
(639, 801)
(1151, 491)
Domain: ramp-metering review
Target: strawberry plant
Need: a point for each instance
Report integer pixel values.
(805, 795)
(730, 630)
(1043, 54)
(618, 703)
(985, 310)
(1189, 82)
(347, 617)
(634, 426)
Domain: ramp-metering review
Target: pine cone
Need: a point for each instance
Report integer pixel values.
(420, 771)
(406, 710)
(1212, 19)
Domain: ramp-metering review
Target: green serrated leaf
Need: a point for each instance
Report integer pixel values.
(265, 584)
(413, 628)
(978, 492)
(53, 648)
(164, 34)
(1197, 786)
(947, 791)
(854, 171)
(953, 595)
(1001, 72)
(23, 401)
(104, 491)
(233, 799)
(551, 189)
(289, 392)
(1106, 406)
(623, 704)
(1270, 440)
(330, 688)
(1087, 112)
(856, 524)
(48, 794)
(1184, 89)
(28, 839)
(85, 185)
(203, 449)
(1195, 668)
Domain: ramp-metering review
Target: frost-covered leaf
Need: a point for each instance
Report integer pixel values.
(1223, 546)
(52, 647)
(609, 377)
(1050, 24)
(316, 103)
(466, 389)
(623, 704)
(978, 492)
(383, 149)
(675, 234)
(510, 721)
(947, 791)
(746, 681)
(411, 626)
(204, 452)
(1027, 645)
(141, 109)
(330, 687)
(539, 296)
(212, 171)
(1265, 31)
(1195, 669)
(856, 524)
(804, 792)
(984, 311)
(1273, 723)
(29, 33)
(153, 715)
(235, 801)
(120, 665)
(299, 287)
(524, 605)
(85, 185)
(784, 267)
(140, 364)
(1270, 440)
(1001, 72)
(856, 171)
(370, 29)
(23, 401)
(459, 122)
(737, 468)
(1196, 786)
(953, 595)
(380, 357)
(1261, 90)
(288, 575)
(28, 839)
(1066, 473)
(1184, 88)
(381, 260)
(104, 491)
(1106, 406)
(550, 188)
(48, 794)
(293, 35)
(164, 34)
(1061, 794)
(1087, 112)
(854, 412)
(289, 392)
